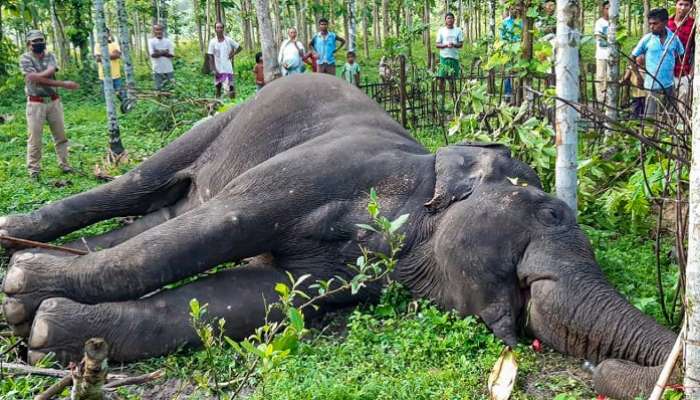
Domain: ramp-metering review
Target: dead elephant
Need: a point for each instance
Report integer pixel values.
(284, 178)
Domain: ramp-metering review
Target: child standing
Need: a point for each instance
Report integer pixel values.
(258, 71)
(351, 70)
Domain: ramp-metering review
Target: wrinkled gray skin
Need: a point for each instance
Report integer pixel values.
(284, 178)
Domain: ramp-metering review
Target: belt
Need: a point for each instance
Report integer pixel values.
(40, 99)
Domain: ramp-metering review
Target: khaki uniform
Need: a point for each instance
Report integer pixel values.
(43, 105)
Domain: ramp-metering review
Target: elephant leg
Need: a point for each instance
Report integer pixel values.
(158, 182)
(159, 324)
(118, 236)
(217, 232)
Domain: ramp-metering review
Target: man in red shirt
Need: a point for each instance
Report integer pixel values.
(682, 25)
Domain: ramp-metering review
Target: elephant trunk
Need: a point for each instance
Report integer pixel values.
(581, 314)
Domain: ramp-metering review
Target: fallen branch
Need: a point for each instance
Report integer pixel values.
(135, 380)
(56, 388)
(29, 370)
(32, 243)
(56, 373)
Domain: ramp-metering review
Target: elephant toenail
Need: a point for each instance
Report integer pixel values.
(24, 257)
(3, 221)
(48, 305)
(14, 311)
(40, 333)
(21, 330)
(14, 281)
(33, 357)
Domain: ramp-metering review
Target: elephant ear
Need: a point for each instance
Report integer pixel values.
(460, 168)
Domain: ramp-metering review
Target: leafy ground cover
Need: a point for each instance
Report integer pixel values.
(398, 349)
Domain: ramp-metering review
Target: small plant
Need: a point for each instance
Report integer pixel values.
(264, 351)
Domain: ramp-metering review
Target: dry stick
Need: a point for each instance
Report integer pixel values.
(34, 370)
(56, 388)
(32, 243)
(135, 380)
(668, 367)
(57, 373)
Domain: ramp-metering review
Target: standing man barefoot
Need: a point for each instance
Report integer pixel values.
(162, 51)
(43, 102)
(220, 53)
(449, 39)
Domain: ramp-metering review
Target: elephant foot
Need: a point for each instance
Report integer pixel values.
(25, 226)
(132, 329)
(623, 380)
(32, 277)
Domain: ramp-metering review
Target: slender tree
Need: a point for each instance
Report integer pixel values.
(645, 24)
(197, 17)
(351, 24)
(115, 141)
(57, 35)
(365, 28)
(692, 270)
(375, 24)
(567, 75)
(267, 41)
(385, 19)
(125, 45)
(613, 62)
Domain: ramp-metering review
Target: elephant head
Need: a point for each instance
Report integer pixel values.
(505, 250)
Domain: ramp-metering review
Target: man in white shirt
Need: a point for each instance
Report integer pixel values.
(220, 55)
(291, 54)
(602, 52)
(449, 39)
(162, 52)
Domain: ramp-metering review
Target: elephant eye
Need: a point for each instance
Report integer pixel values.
(548, 216)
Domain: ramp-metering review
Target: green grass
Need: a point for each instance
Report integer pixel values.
(375, 352)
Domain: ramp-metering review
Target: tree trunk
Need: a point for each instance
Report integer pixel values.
(277, 33)
(376, 25)
(385, 19)
(612, 86)
(207, 13)
(365, 29)
(527, 45)
(492, 19)
(351, 25)
(692, 271)
(583, 18)
(645, 24)
(126, 51)
(426, 33)
(197, 15)
(115, 141)
(567, 88)
(57, 36)
(298, 21)
(2, 36)
(219, 11)
(267, 41)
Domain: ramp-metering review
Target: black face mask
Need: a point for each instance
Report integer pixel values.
(38, 47)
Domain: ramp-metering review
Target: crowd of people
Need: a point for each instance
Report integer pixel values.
(660, 67)
(660, 70)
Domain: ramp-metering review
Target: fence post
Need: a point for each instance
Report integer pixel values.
(402, 89)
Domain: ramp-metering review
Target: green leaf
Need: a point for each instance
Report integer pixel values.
(282, 289)
(366, 227)
(296, 318)
(397, 223)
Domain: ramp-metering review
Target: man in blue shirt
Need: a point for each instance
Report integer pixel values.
(658, 52)
(324, 48)
(510, 31)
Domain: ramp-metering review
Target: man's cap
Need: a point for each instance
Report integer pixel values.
(34, 34)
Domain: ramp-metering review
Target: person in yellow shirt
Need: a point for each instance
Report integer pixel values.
(115, 56)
